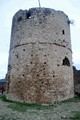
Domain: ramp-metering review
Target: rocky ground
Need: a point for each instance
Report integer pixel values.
(66, 110)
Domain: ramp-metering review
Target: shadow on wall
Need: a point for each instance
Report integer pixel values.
(2, 85)
(76, 75)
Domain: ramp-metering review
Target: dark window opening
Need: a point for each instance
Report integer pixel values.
(19, 19)
(45, 55)
(23, 75)
(53, 76)
(57, 64)
(44, 73)
(63, 32)
(31, 62)
(66, 61)
(44, 62)
(17, 55)
(28, 15)
(23, 49)
(31, 55)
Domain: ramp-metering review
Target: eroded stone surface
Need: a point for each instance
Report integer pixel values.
(40, 57)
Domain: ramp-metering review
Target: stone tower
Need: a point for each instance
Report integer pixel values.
(40, 57)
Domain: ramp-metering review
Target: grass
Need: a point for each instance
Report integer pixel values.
(47, 112)
(3, 98)
(22, 107)
(75, 99)
(76, 116)
(6, 118)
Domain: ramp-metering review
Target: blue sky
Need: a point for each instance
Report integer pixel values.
(9, 7)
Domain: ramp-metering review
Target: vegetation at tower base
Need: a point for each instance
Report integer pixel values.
(40, 57)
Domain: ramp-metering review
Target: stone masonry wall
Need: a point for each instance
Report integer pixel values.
(76, 74)
(40, 57)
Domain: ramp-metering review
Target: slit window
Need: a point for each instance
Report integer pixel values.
(63, 32)
(37, 75)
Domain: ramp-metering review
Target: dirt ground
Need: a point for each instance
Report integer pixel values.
(66, 110)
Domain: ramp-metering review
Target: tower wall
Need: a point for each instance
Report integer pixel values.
(40, 57)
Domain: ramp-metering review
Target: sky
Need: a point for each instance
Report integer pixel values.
(9, 7)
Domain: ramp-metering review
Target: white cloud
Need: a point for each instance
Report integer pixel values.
(75, 3)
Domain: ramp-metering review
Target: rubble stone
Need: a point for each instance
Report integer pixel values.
(40, 57)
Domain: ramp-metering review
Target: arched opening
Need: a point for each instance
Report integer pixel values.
(66, 61)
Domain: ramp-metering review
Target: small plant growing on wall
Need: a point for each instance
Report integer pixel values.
(70, 22)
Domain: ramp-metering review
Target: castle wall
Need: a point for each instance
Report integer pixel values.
(40, 57)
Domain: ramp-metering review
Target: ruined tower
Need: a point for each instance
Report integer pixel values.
(40, 57)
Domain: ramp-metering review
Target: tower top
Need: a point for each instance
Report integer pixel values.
(37, 11)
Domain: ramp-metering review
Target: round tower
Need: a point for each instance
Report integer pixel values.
(40, 57)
